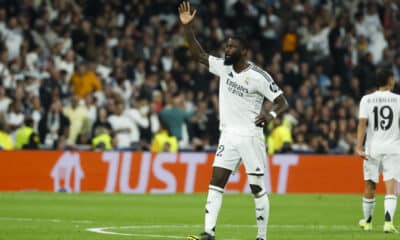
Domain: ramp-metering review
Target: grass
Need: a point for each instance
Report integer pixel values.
(59, 216)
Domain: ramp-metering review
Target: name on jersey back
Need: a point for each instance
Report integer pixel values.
(382, 100)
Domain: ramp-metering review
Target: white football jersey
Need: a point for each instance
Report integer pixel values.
(241, 96)
(382, 111)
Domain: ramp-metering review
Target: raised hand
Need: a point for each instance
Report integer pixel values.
(186, 12)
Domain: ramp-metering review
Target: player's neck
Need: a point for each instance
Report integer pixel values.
(385, 88)
(240, 66)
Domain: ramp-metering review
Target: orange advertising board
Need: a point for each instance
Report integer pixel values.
(143, 172)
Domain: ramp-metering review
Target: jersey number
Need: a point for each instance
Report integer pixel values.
(383, 118)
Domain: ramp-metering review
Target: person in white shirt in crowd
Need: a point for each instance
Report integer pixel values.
(15, 116)
(36, 111)
(137, 113)
(121, 126)
(5, 74)
(5, 101)
(13, 38)
(67, 63)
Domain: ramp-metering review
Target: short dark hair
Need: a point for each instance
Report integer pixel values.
(29, 121)
(242, 39)
(382, 76)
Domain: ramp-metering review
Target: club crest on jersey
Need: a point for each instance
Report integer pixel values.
(230, 74)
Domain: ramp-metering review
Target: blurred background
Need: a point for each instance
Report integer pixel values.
(117, 74)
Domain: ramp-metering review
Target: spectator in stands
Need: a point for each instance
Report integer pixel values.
(396, 68)
(101, 121)
(6, 142)
(121, 127)
(138, 115)
(280, 138)
(5, 101)
(13, 38)
(78, 119)
(139, 54)
(102, 139)
(163, 141)
(26, 136)
(53, 125)
(35, 111)
(300, 145)
(174, 116)
(16, 116)
(84, 81)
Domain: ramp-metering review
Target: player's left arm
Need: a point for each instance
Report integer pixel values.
(362, 125)
(271, 91)
(280, 105)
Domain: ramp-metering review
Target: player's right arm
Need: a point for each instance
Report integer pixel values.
(186, 15)
(362, 125)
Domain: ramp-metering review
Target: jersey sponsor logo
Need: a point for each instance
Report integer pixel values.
(236, 88)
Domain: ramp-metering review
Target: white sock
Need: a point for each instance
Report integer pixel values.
(262, 215)
(390, 207)
(368, 208)
(213, 205)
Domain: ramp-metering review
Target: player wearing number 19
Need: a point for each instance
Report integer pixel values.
(242, 90)
(379, 119)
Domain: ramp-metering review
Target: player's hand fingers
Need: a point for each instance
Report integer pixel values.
(260, 124)
(182, 6)
(194, 13)
(362, 154)
(260, 118)
(187, 6)
(180, 10)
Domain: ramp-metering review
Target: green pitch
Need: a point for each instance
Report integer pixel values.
(59, 216)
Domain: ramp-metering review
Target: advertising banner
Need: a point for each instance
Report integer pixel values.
(144, 172)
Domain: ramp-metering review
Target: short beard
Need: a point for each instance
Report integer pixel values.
(228, 62)
(232, 60)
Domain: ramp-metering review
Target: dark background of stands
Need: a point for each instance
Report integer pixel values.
(77, 69)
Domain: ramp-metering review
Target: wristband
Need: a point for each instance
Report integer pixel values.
(273, 114)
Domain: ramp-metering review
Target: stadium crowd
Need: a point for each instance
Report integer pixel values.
(116, 74)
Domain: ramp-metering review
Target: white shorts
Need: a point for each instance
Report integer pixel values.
(388, 164)
(233, 149)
